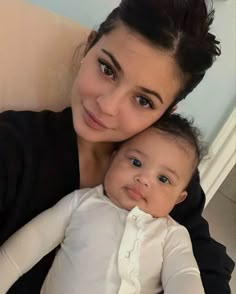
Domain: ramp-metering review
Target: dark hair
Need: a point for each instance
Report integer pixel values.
(179, 26)
(181, 128)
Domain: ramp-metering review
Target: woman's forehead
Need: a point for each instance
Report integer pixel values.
(142, 63)
(127, 41)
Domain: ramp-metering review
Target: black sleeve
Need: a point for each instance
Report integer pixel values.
(11, 159)
(17, 172)
(214, 264)
(38, 166)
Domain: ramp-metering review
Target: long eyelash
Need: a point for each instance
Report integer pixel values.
(102, 62)
(149, 101)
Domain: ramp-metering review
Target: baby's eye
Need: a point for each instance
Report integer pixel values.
(135, 162)
(163, 179)
(106, 69)
(144, 102)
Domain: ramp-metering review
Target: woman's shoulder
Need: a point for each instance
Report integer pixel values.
(38, 156)
(28, 115)
(33, 133)
(30, 123)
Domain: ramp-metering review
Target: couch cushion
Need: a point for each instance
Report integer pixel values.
(36, 53)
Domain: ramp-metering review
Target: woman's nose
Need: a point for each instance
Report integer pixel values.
(110, 103)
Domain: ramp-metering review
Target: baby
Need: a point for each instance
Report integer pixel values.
(118, 237)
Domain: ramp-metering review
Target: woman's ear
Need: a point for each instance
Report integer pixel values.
(92, 36)
(113, 155)
(182, 197)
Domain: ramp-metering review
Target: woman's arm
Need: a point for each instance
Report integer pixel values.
(214, 264)
(33, 241)
(180, 273)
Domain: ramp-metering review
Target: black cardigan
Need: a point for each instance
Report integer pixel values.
(39, 165)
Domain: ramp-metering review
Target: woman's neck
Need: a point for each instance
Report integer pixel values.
(94, 159)
(95, 150)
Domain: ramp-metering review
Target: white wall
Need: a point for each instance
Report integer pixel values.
(212, 102)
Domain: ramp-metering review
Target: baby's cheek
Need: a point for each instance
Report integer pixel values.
(142, 204)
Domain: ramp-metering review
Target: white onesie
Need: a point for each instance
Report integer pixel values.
(104, 250)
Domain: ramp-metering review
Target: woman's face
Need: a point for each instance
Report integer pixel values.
(124, 84)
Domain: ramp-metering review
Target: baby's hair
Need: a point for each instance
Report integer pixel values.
(182, 128)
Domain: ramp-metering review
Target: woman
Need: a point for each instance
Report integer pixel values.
(144, 59)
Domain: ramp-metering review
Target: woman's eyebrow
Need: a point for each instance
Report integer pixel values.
(118, 67)
(113, 59)
(152, 93)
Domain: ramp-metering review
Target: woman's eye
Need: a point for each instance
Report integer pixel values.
(144, 102)
(106, 69)
(163, 179)
(135, 162)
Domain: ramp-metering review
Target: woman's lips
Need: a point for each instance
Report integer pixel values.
(134, 194)
(93, 122)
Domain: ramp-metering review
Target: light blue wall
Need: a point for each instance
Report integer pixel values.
(211, 103)
(87, 12)
(213, 100)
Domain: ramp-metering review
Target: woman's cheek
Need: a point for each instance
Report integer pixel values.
(133, 125)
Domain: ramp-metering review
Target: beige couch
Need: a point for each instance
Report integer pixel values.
(36, 56)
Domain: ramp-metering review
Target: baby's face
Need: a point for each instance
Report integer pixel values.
(150, 171)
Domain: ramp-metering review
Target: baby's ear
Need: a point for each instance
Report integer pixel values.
(173, 109)
(182, 197)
